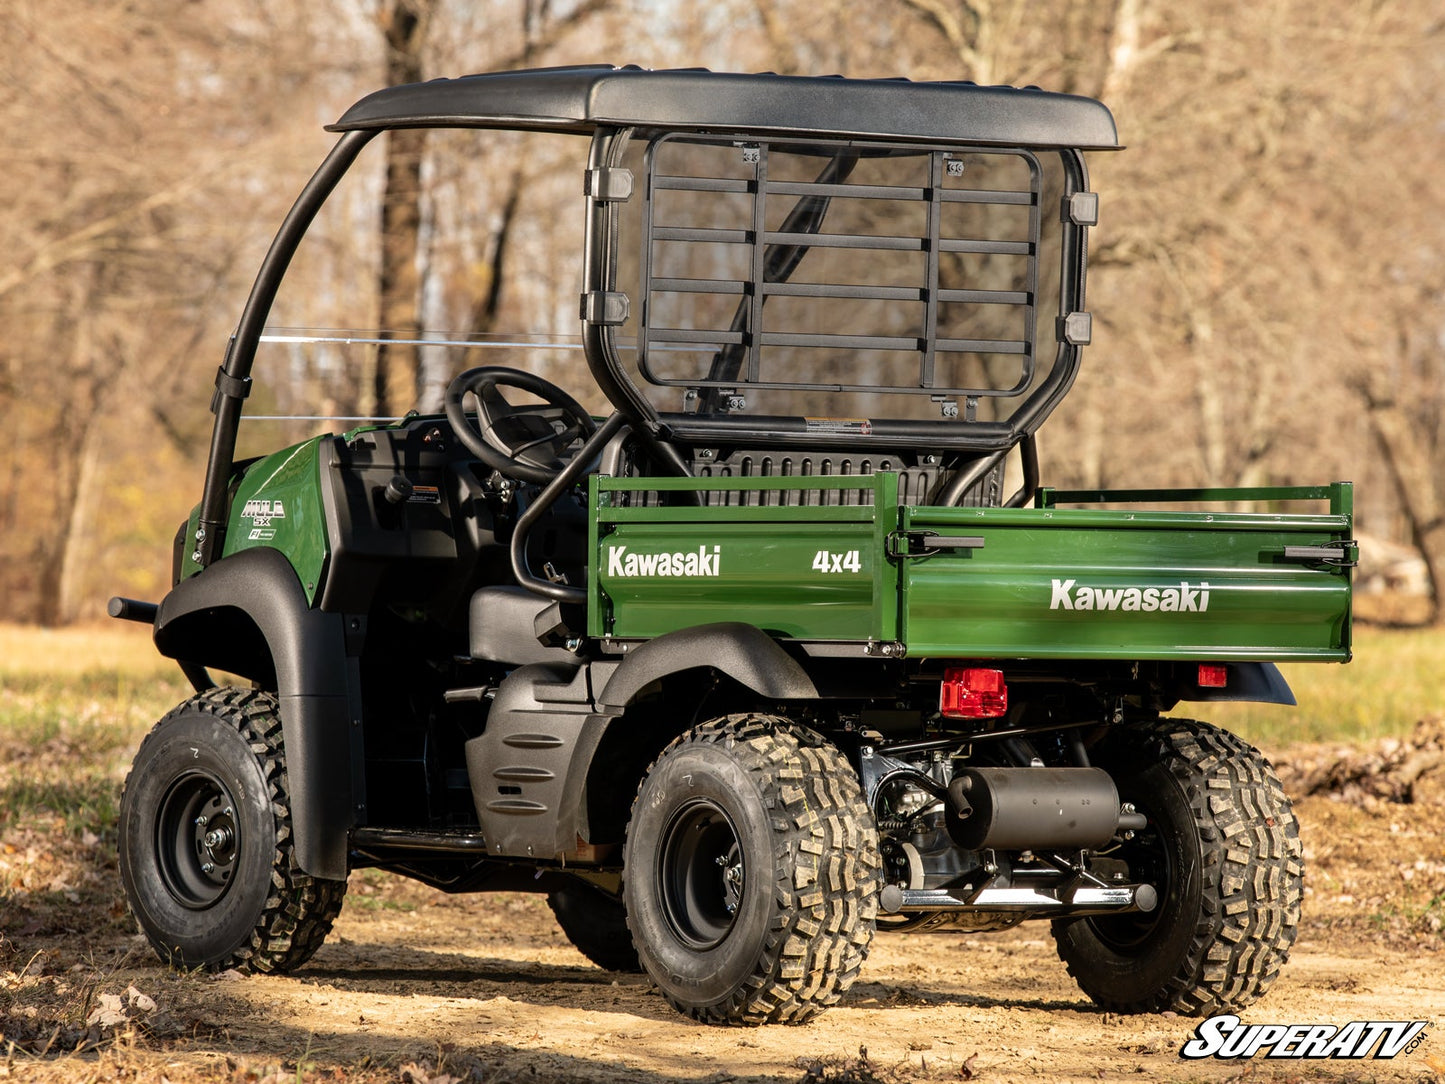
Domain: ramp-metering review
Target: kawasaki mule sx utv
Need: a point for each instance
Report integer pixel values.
(770, 657)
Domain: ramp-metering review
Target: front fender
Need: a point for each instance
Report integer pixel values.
(248, 614)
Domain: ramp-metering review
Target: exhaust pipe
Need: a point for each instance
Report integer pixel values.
(1073, 901)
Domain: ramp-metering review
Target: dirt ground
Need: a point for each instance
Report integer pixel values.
(423, 988)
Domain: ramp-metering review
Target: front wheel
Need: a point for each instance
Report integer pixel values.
(206, 839)
(1222, 847)
(596, 924)
(751, 872)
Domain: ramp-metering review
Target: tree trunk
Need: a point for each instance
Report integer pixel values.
(1410, 467)
(78, 542)
(398, 366)
(57, 551)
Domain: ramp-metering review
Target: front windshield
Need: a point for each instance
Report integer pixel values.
(495, 259)
(842, 282)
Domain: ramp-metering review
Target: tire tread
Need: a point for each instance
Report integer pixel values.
(1252, 874)
(300, 909)
(823, 832)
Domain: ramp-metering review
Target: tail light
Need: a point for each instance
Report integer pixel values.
(971, 693)
(1212, 676)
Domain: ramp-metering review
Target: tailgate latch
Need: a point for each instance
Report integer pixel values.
(1342, 554)
(927, 543)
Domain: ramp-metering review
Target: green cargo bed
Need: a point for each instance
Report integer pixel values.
(838, 564)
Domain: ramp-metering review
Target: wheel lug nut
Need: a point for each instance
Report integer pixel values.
(219, 837)
(207, 867)
(201, 821)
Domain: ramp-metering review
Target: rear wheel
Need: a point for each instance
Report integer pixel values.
(206, 841)
(1222, 847)
(596, 924)
(751, 872)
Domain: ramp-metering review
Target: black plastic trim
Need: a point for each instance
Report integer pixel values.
(743, 652)
(308, 651)
(1254, 682)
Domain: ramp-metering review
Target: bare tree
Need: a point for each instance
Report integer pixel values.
(111, 284)
(411, 29)
(1265, 279)
(405, 25)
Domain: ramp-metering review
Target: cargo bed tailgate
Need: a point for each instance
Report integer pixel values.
(1125, 583)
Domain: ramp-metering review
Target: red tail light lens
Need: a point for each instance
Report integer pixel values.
(1212, 676)
(968, 693)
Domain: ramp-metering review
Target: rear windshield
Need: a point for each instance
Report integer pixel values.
(844, 281)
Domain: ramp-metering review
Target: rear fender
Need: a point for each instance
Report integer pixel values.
(743, 652)
(248, 614)
(540, 785)
(604, 769)
(1259, 682)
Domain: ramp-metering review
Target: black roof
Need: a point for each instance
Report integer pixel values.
(581, 99)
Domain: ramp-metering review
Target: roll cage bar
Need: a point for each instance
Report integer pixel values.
(614, 106)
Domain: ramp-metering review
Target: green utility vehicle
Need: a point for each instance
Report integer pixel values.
(790, 646)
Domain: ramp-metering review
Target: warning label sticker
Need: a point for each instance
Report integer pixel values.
(860, 427)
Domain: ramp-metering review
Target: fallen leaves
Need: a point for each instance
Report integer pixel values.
(117, 1009)
(831, 1069)
(1386, 771)
(412, 1073)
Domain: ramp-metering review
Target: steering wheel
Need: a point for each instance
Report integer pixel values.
(520, 442)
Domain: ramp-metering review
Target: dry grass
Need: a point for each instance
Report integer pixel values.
(1392, 682)
(120, 646)
(80, 998)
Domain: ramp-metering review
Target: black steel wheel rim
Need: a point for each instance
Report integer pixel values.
(198, 839)
(700, 874)
(1150, 863)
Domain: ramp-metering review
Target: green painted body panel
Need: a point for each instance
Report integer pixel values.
(1122, 585)
(277, 503)
(1045, 582)
(809, 573)
(189, 565)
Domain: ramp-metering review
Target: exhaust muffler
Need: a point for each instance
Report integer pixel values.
(1020, 809)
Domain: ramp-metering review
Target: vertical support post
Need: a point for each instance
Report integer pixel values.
(233, 380)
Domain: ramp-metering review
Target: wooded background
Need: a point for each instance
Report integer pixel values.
(1267, 281)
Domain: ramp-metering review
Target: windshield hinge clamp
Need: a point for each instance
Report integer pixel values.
(609, 184)
(605, 308)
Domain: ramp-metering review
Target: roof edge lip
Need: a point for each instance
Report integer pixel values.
(583, 98)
